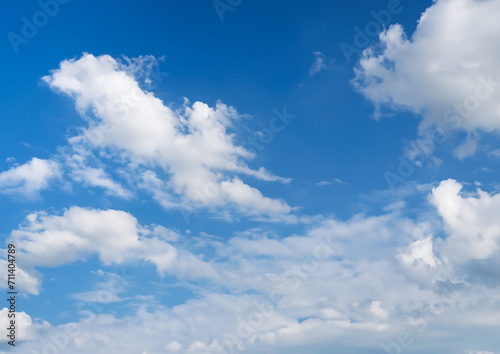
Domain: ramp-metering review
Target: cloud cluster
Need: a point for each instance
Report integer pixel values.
(389, 279)
(369, 276)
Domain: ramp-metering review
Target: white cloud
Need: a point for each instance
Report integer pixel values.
(320, 63)
(421, 264)
(447, 71)
(250, 201)
(369, 277)
(340, 277)
(468, 147)
(420, 251)
(26, 328)
(99, 296)
(107, 291)
(27, 280)
(328, 183)
(174, 346)
(29, 179)
(185, 157)
(377, 310)
(115, 236)
(351, 291)
(471, 222)
(324, 183)
(96, 177)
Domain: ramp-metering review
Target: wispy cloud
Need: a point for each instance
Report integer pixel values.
(328, 183)
(495, 153)
(321, 63)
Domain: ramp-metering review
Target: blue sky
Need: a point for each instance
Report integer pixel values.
(249, 176)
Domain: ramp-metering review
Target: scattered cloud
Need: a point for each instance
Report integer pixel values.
(380, 270)
(26, 181)
(370, 275)
(328, 183)
(320, 64)
(324, 183)
(107, 291)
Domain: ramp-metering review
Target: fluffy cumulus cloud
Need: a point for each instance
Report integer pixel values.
(114, 236)
(315, 287)
(185, 157)
(420, 251)
(446, 71)
(373, 277)
(27, 180)
(470, 220)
